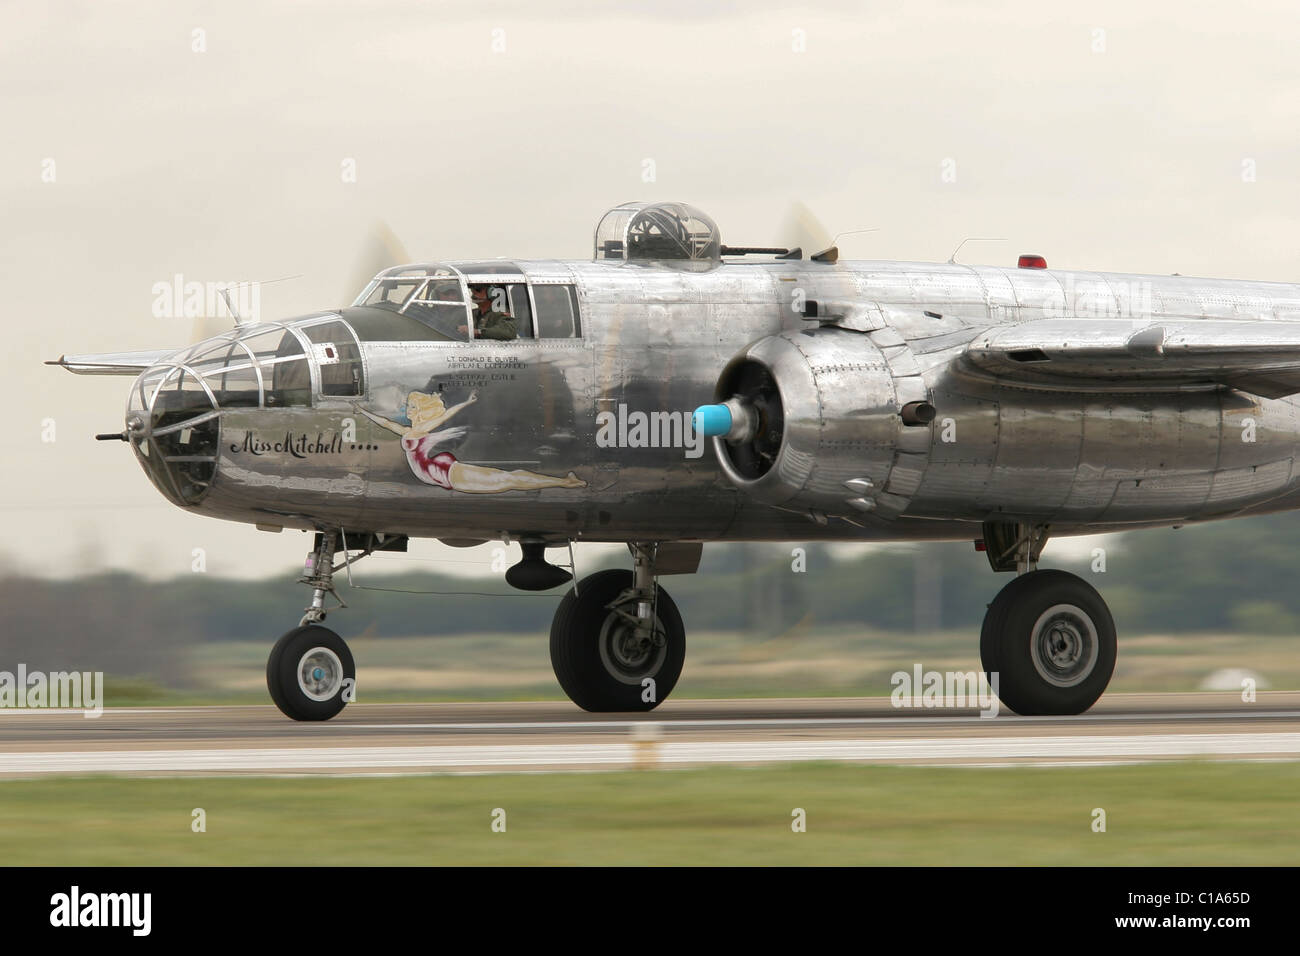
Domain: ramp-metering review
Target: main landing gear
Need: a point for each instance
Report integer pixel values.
(1048, 643)
(617, 640)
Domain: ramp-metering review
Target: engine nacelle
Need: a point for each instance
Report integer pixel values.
(810, 421)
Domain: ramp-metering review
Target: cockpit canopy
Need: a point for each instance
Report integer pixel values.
(431, 294)
(658, 231)
(394, 287)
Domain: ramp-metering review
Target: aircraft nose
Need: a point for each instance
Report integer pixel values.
(174, 415)
(173, 423)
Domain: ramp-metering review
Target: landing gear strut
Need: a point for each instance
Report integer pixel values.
(617, 639)
(1048, 643)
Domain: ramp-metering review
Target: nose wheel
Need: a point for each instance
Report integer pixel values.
(310, 673)
(1050, 640)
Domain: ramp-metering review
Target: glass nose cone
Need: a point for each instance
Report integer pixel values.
(174, 426)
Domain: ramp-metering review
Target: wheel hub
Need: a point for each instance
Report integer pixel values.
(320, 673)
(1064, 645)
(631, 653)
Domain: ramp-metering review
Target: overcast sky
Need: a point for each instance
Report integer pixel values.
(1154, 137)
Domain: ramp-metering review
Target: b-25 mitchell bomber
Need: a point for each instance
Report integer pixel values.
(674, 391)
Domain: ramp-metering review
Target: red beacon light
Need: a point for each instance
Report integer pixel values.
(1032, 262)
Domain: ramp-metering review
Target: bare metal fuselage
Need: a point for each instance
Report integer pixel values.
(654, 342)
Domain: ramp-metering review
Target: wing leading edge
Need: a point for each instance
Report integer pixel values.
(1262, 358)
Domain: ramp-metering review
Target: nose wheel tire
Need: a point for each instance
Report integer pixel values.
(310, 673)
(1050, 640)
(602, 659)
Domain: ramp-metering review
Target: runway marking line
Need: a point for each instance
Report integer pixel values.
(1238, 745)
(667, 722)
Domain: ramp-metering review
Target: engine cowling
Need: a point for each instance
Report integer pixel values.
(812, 421)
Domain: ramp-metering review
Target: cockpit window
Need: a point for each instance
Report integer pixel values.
(520, 309)
(441, 290)
(395, 287)
(391, 293)
(440, 304)
(423, 302)
(494, 315)
(557, 312)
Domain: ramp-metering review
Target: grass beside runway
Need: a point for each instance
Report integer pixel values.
(1186, 813)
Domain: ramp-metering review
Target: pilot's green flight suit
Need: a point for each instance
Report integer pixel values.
(495, 325)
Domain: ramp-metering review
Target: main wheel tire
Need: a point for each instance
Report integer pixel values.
(309, 673)
(599, 660)
(1050, 640)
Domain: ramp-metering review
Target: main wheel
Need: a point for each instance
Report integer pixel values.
(601, 659)
(1050, 640)
(310, 673)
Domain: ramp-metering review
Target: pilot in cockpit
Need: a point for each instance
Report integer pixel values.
(492, 319)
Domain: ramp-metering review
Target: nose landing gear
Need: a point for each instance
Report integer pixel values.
(310, 672)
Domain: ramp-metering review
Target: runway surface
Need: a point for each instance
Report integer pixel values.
(440, 738)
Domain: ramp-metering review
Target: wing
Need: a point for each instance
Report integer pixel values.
(112, 363)
(1259, 357)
